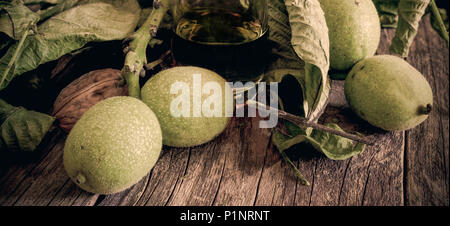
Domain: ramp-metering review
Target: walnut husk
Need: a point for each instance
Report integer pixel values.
(83, 93)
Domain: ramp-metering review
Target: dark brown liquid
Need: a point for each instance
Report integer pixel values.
(232, 45)
(219, 27)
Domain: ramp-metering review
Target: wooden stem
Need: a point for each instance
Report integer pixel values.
(303, 122)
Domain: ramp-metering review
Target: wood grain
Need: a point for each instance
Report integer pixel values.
(242, 166)
(427, 146)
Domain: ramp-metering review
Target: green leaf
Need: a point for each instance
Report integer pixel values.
(15, 18)
(299, 35)
(284, 62)
(388, 12)
(70, 31)
(4, 43)
(410, 14)
(41, 1)
(441, 24)
(58, 8)
(332, 146)
(21, 129)
(310, 42)
(284, 56)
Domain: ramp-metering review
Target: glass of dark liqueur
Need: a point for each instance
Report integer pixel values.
(225, 36)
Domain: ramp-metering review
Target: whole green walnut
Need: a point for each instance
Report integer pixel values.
(354, 31)
(185, 129)
(389, 93)
(113, 146)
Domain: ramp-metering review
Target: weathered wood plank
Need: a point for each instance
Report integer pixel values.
(166, 176)
(242, 167)
(46, 168)
(157, 187)
(427, 148)
(70, 195)
(128, 197)
(376, 176)
(244, 159)
(192, 176)
(278, 183)
(17, 178)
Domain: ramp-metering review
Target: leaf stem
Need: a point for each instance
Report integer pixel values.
(437, 14)
(300, 121)
(293, 167)
(303, 122)
(13, 59)
(136, 56)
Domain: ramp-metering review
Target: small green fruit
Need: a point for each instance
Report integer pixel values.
(181, 131)
(114, 145)
(354, 31)
(389, 93)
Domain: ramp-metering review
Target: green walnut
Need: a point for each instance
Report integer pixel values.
(180, 97)
(354, 31)
(389, 93)
(113, 146)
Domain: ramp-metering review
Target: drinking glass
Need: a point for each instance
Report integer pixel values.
(226, 36)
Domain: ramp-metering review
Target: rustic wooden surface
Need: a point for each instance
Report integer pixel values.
(242, 167)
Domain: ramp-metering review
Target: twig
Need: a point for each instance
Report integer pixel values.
(300, 121)
(13, 59)
(437, 14)
(303, 122)
(152, 65)
(136, 50)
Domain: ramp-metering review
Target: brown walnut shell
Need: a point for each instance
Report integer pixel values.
(83, 93)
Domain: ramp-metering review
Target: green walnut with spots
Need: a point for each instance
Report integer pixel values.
(187, 129)
(354, 31)
(113, 146)
(389, 93)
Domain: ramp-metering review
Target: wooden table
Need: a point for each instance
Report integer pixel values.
(242, 166)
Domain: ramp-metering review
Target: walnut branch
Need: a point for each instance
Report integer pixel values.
(136, 58)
